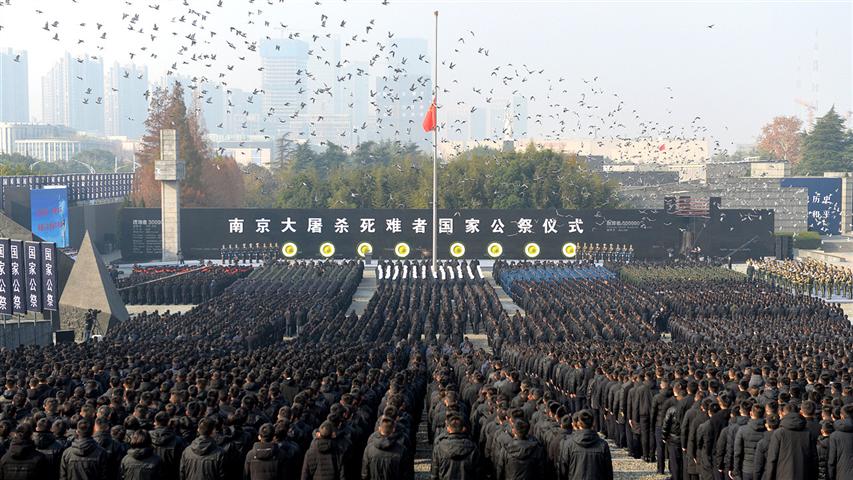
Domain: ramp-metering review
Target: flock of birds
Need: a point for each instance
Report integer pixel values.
(217, 50)
(197, 40)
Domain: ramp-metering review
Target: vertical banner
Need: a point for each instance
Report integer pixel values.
(16, 269)
(48, 276)
(5, 289)
(32, 264)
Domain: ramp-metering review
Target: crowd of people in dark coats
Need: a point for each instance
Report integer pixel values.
(407, 306)
(177, 284)
(702, 374)
(746, 381)
(216, 393)
(568, 301)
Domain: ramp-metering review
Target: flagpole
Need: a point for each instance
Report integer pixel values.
(435, 153)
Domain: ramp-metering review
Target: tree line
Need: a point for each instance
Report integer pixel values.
(827, 146)
(393, 175)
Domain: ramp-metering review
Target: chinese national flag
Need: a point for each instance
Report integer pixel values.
(430, 118)
(662, 147)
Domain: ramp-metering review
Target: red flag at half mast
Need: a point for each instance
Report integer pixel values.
(430, 118)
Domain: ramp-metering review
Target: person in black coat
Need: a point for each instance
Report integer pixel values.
(704, 461)
(47, 444)
(140, 463)
(266, 461)
(584, 454)
(746, 442)
(167, 445)
(840, 461)
(823, 450)
(759, 461)
(115, 451)
(640, 418)
(671, 429)
(84, 459)
(524, 457)
(661, 402)
(791, 452)
(324, 459)
(383, 456)
(203, 459)
(22, 461)
(455, 456)
(718, 421)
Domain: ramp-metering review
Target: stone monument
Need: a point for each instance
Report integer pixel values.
(170, 170)
(90, 287)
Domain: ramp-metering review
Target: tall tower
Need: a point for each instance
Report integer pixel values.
(14, 87)
(125, 104)
(170, 170)
(285, 63)
(73, 94)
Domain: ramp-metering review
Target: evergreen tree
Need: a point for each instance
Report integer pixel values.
(827, 147)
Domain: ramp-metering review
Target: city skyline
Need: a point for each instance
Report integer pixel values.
(659, 59)
(240, 112)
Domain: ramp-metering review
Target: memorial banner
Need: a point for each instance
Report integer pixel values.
(32, 273)
(49, 282)
(5, 279)
(204, 231)
(17, 282)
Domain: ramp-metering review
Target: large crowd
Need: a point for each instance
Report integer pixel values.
(572, 302)
(805, 276)
(701, 373)
(176, 285)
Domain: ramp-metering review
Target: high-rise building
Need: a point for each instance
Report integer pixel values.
(73, 94)
(212, 101)
(243, 114)
(326, 66)
(404, 92)
(477, 124)
(356, 91)
(14, 87)
(284, 80)
(126, 107)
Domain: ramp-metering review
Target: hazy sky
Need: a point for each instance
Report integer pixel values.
(659, 58)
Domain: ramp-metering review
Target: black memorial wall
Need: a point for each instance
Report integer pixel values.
(651, 233)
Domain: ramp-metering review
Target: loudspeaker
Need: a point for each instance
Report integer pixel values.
(63, 336)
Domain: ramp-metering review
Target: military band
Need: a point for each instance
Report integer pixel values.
(249, 253)
(804, 277)
(605, 252)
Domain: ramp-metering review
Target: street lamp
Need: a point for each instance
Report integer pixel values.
(91, 169)
(34, 164)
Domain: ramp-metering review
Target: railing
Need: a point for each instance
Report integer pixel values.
(81, 186)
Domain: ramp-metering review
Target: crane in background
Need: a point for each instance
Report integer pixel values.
(810, 109)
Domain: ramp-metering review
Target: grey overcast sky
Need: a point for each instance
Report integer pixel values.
(659, 58)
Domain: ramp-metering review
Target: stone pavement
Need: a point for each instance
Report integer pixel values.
(627, 468)
(364, 291)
